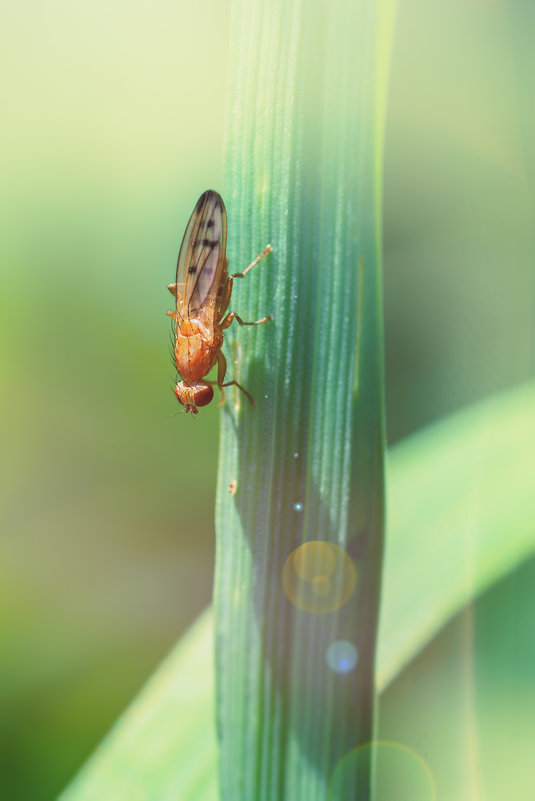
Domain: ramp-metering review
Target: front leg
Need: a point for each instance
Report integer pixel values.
(221, 371)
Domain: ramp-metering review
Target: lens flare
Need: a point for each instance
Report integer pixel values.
(319, 577)
(398, 773)
(342, 656)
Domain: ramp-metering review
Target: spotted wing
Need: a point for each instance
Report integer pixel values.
(201, 261)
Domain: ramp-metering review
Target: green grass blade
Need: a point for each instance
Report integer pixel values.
(303, 148)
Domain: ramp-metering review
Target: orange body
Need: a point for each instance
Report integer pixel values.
(203, 289)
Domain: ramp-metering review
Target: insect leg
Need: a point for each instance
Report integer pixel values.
(233, 316)
(235, 383)
(269, 249)
(221, 370)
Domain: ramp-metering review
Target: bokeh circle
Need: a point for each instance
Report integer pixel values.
(319, 577)
(398, 774)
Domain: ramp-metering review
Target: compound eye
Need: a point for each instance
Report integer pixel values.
(203, 395)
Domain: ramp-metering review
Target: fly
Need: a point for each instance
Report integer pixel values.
(202, 290)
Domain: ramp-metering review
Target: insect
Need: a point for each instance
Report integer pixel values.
(202, 290)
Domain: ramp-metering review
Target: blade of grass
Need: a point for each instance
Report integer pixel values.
(461, 499)
(304, 145)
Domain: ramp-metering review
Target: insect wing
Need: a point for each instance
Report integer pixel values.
(201, 260)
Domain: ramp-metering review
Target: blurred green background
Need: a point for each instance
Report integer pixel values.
(113, 126)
